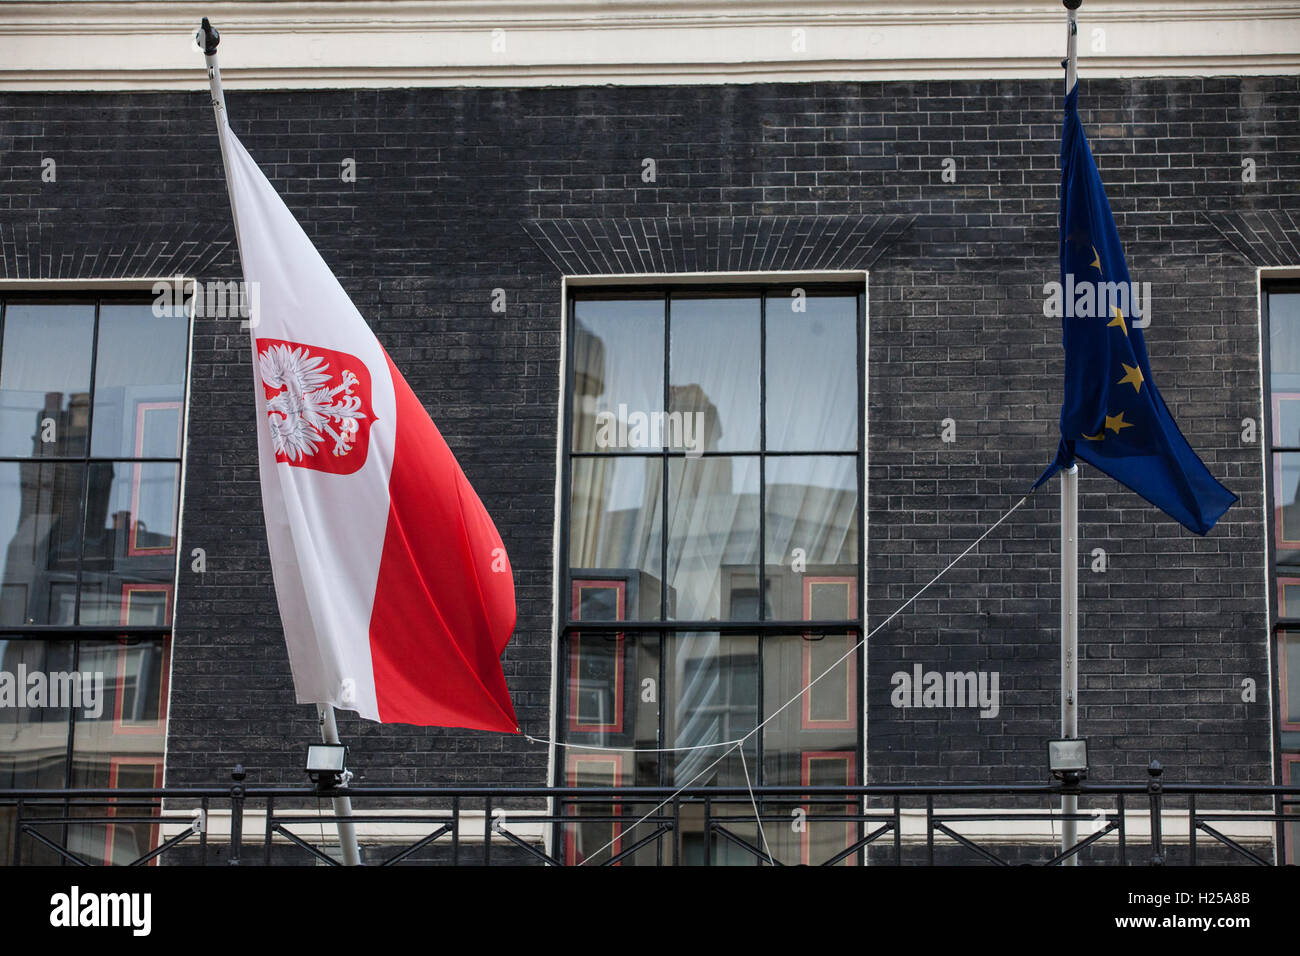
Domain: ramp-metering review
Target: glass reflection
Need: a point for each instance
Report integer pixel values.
(812, 374)
(33, 738)
(811, 526)
(139, 383)
(40, 528)
(1286, 509)
(130, 543)
(715, 371)
(713, 538)
(45, 379)
(710, 696)
(618, 374)
(615, 527)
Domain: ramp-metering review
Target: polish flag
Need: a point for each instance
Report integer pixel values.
(395, 592)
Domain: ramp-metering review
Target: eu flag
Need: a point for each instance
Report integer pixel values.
(1113, 416)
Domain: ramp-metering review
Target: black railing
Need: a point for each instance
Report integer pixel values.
(819, 825)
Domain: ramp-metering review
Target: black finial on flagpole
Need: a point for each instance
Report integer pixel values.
(210, 38)
(1072, 4)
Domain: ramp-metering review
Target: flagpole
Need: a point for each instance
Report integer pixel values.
(325, 712)
(329, 733)
(1069, 540)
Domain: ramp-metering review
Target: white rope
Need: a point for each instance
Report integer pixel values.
(899, 610)
(754, 803)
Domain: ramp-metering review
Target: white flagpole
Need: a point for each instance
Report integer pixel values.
(325, 712)
(1070, 543)
(329, 733)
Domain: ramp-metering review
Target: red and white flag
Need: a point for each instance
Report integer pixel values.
(395, 591)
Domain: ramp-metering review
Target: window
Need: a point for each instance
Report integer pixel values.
(1281, 311)
(711, 523)
(92, 397)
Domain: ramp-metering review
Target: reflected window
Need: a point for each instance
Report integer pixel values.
(713, 482)
(92, 398)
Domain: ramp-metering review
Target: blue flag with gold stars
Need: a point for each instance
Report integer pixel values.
(1112, 416)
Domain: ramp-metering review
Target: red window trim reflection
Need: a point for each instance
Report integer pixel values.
(115, 765)
(120, 725)
(575, 644)
(848, 722)
(141, 409)
(615, 764)
(809, 757)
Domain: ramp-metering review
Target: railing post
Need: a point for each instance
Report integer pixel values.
(1156, 791)
(203, 834)
(677, 831)
(455, 830)
(487, 831)
(1191, 830)
(1123, 831)
(18, 834)
(236, 812)
(708, 832)
(270, 829)
(929, 828)
(898, 830)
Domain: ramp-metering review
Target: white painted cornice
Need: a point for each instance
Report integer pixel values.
(142, 44)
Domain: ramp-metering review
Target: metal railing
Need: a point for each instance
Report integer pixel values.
(815, 825)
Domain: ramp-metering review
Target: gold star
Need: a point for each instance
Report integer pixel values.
(1132, 376)
(1097, 437)
(1116, 422)
(1118, 320)
(1096, 262)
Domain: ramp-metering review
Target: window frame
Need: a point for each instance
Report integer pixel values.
(665, 287)
(1284, 758)
(101, 293)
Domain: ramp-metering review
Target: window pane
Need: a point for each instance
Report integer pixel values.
(811, 527)
(1289, 662)
(1284, 348)
(715, 372)
(618, 374)
(130, 550)
(824, 720)
(812, 374)
(1286, 509)
(33, 739)
(139, 383)
(713, 538)
(119, 741)
(814, 741)
(40, 537)
(710, 696)
(615, 528)
(45, 379)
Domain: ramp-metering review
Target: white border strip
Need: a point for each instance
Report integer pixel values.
(96, 45)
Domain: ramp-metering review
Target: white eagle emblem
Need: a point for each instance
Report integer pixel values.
(308, 412)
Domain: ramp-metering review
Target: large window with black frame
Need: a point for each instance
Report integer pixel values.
(712, 527)
(92, 393)
(1281, 313)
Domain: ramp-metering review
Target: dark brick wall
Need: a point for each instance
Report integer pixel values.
(447, 180)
